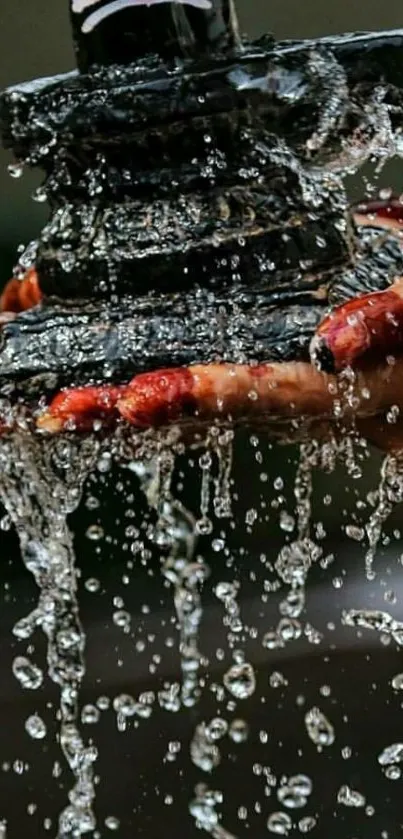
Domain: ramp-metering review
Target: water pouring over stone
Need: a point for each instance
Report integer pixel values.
(201, 273)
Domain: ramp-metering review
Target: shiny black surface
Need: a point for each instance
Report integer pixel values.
(171, 30)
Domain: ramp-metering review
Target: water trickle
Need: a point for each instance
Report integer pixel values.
(227, 593)
(204, 751)
(296, 558)
(390, 494)
(39, 486)
(176, 532)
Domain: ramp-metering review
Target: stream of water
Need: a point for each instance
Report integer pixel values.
(41, 485)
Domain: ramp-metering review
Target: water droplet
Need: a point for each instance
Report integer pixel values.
(217, 728)
(5, 523)
(15, 170)
(319, 729)
(289, 798)
(279, 823)
(287, 522)
(240, 680)
(272, 641)
(393, 772)
(25, 627)
(350, 797)
(39, 195)
(94, 532)
(354, 532)
(289, 629)
(29, 675)
(122, 619)
(112, 823)
(301, 784)
(391, 754)
(306, 824)
(92, 585)
(226, 591)
(90, 714)
(238, 731)
(35, 727)
(277, 680)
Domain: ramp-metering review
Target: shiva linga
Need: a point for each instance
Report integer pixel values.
(201, 261)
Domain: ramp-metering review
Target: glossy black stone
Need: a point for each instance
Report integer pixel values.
(178, 180)
(121, 33)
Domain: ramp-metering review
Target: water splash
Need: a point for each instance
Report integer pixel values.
(39, 486)
(176, 532)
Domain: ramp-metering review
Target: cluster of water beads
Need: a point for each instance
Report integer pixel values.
(204, 748)
(296, 558)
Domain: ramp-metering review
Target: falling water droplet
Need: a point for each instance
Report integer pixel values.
(35, 727)
(90, 714)
(217, 728)
(397, 681)
(94, 532)
(306, 824)
(391, 754)
(15, 170)
(40, 195)
(238, 731)
(350, 797)
(319, 729)
(112, 823)
(279, 823)
(28, 674)
(240, 680)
